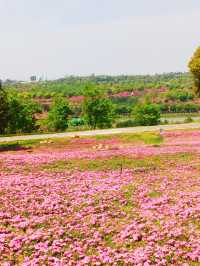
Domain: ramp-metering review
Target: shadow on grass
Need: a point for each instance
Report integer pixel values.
(12, 147)
(19, 145)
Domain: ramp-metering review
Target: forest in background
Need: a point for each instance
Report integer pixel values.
(62, 101)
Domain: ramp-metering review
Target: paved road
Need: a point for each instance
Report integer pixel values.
(102, 132)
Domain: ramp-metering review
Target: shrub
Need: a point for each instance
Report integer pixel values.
(184, 108)
(58, 115)
(191, 108)
(164, 108)
(126, 123)
(123, 109)
(3, 110)
(179, 95)
(98, 109)
(21, 116)
(77, 122)
(146, 115)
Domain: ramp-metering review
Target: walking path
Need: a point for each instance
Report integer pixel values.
(102, 132)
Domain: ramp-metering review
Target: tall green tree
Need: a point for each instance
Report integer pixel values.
(3, 109)
(146, 114)
(58, 115)
(194, 66)
(22, 113)
(98, 109)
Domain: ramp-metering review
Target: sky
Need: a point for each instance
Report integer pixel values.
(55, 38)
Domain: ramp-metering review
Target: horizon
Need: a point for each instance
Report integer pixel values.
(54, 40)
(38, 78)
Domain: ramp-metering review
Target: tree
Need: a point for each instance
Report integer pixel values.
(21, 114)
(194, 66)
(58, 115)
(98, 109)
(146, 114)
(3, 109)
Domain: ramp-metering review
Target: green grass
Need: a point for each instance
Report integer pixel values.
(146, 137)
(155, 194)
(114, 163)
(18, 145)
(119, 163)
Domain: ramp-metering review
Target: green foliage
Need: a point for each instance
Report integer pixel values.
(164, 107)
(77, 122)
(123, 109)
(180, 95)
(184, 108)
(146, 114)
(58, 115)
(126, 123)
(3, 110)
(74, 85)
(124, 105)
(169, 90)
(179, 108)
(21, 114)
(98, 109)
(194, 66)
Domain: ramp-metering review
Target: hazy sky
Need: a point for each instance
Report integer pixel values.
(55, 38)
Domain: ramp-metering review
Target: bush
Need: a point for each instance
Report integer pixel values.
(98, 110)
(191, 108)
(147, 115)
(184, 108)
(182, 96)
(3, 110)
(123, 109)
(77, 122)
(58, 115)
(126, 123)
(164, 108)
(21, 114)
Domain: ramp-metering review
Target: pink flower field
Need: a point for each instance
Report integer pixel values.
(122, 200)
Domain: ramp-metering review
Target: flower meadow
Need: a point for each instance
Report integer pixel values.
(116, 201)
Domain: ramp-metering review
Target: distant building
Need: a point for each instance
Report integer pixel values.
(33, 78)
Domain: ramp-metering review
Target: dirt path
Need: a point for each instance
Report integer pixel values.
(103, 132)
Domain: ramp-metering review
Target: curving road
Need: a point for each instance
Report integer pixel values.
(102, 132)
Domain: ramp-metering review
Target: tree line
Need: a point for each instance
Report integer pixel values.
(18, 112)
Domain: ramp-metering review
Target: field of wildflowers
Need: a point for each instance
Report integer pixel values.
(118, 200)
